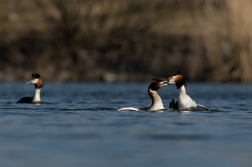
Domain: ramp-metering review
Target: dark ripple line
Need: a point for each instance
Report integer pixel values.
(183, 123)
(15, 108)
(214, 111)
(178, 137)
(53, 136)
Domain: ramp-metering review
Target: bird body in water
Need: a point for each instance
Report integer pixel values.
(157, 104)
(185, 102)
(37, 81)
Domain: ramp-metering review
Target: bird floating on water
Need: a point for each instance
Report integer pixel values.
(37, 81)
(157, 104)
(185, 102)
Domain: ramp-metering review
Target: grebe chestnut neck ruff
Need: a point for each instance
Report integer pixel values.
(37, 81)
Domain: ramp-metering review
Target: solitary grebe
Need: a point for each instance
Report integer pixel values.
(38, 85)
(157, 104)
(184, 103)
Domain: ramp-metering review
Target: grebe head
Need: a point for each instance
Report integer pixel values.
(156, 85)
(36, 80)
(177, 79)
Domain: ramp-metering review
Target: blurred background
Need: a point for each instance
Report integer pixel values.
(126, 40)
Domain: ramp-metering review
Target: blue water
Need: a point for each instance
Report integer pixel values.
(77, 125)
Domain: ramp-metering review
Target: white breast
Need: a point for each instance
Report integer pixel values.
(186, 102)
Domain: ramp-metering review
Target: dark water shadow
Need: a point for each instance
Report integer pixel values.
(178, 137)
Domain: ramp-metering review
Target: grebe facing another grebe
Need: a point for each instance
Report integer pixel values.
(157, 104)
(38, 85)
(185, 103)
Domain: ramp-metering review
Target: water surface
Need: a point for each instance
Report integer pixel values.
(77, 125)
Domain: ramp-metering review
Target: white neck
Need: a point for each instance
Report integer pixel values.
(185, 100)
(157, 103)
(183, 90)
(36, 97)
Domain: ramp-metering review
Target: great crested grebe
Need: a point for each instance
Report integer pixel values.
(157, 104)
(38, 85)
(184, 103)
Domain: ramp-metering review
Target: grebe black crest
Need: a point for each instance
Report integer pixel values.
(37, 81)
(157, 104)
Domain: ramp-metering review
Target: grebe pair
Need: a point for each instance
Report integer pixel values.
(37, 81)
(184, 103)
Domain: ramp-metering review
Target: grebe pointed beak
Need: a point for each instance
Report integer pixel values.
(164, 83)
(170, 80)
(31, 81)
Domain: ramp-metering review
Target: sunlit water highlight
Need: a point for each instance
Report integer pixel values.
(77, 125)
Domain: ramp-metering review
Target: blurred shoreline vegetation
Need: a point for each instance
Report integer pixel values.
(126, 40)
